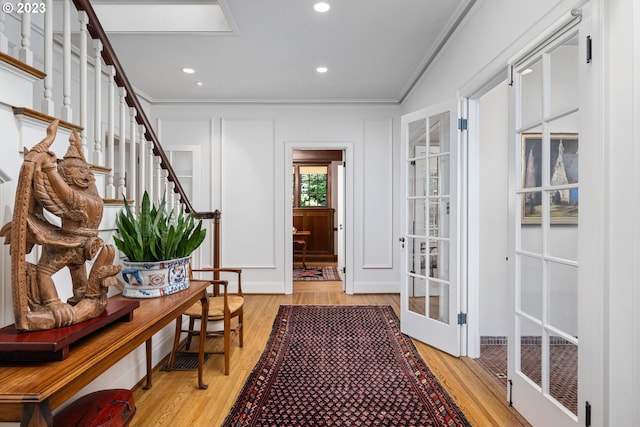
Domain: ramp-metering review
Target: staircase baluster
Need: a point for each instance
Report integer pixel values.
(142, 170)
(47, 100)
(172, 191)
(122, 188)
(25, 54)
(98, 154)
(4, 40)
(111, 125)
(132, 160)
(166, 191)
(150, 169)
(84, 20)
(66, 113)
(160, 188)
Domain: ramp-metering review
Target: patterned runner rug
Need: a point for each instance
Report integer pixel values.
(316, 273)
(341, 365)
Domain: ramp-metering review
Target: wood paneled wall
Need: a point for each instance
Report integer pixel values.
(320, 244)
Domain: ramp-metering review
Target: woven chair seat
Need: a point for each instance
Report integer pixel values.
(216, 307)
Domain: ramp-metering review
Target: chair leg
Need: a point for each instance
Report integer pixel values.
(241, 331)
(176, 342)
(304, 255)
(227, 343)
(192, 322)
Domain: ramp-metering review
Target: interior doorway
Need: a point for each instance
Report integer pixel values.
(488, 272)
(317, 217)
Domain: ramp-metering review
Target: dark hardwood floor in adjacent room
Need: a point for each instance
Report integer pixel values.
(175, 400)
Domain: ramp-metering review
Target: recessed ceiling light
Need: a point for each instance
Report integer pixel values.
(322, 69)
(198, 83)
(188, 70)
(321, 6)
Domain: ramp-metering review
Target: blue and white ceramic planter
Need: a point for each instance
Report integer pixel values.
(155, 279)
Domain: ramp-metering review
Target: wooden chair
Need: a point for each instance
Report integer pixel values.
(223, 307)
(300, 238)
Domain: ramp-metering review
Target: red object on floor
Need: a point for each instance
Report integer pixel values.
(104, 408)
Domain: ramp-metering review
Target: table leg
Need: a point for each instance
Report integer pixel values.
(148, 351)
(203, 336)
(304, 254)
(37, 415)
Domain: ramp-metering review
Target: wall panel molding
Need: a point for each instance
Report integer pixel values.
(248, 185)
(377, 194)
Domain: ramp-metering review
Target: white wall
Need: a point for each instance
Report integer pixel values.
(244, 174)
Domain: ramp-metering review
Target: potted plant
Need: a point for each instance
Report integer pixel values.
(157, 244)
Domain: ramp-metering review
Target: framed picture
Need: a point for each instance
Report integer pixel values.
(563, 172)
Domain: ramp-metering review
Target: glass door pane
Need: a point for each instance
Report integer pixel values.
(416, 223)
(438, 216)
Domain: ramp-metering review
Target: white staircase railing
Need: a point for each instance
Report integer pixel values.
(116, 133)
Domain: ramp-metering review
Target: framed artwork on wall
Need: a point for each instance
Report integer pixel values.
(562, 170)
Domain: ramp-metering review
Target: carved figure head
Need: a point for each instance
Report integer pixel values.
(73, 168)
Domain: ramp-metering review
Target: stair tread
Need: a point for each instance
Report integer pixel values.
(22, 66)
(37, 115)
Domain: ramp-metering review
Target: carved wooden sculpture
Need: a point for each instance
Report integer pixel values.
(66, 189)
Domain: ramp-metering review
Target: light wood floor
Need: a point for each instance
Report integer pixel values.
(175, 400)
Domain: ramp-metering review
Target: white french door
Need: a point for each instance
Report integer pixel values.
(429, 296)
(544, 338)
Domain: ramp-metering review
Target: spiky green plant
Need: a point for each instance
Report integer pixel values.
(156, 234)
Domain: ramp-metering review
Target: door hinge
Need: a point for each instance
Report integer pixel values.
(344, 164)
(462, 123)
(462, 318)
(587, 414)
(589, 51)
(344, 270)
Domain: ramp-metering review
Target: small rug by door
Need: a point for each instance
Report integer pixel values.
(316, 273)
(341, 365)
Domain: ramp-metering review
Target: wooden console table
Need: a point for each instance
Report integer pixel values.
(29, 391)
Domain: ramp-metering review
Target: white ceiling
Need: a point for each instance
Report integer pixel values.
(375, 51)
